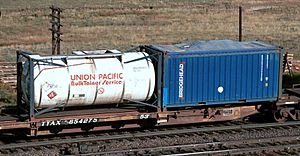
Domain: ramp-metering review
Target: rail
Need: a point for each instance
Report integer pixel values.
(209, 138)
(8, 73)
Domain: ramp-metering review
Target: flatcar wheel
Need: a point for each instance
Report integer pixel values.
(87, 128)
(148, 123)
(55, 130)
(117, 125)
(277, 115)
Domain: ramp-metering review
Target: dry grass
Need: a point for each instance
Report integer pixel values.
(93, 24)
(99, 24)
(7, 95)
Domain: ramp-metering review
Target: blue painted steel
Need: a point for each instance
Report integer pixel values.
(219, 72)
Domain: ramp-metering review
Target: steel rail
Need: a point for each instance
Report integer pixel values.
(212, 146)
(148, 133)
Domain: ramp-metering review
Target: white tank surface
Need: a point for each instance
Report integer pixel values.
(90, 78)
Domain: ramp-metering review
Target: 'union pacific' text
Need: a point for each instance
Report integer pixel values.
(96, 79)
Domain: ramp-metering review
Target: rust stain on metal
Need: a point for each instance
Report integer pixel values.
(210, 115)
(101, 116)
(14, 125)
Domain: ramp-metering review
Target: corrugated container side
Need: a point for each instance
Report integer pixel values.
(220, 78)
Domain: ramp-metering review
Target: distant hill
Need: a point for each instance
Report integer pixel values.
(94, 24)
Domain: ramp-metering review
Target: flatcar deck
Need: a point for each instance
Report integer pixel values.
(87, 112)
(90, 118)
(71, 117)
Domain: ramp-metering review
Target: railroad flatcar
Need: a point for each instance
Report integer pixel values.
(197, 81)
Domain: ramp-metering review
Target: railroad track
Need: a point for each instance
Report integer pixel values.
(283, 145)
(161, 139)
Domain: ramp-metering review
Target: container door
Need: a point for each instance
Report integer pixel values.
(221, 79)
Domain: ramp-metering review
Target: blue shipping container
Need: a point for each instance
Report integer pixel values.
(220, 72)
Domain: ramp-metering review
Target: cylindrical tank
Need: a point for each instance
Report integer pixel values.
(91, 80)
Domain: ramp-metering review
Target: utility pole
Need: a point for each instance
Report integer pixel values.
(240, 23)
(55, 29)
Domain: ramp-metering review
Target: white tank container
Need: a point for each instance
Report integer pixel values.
(91, 80)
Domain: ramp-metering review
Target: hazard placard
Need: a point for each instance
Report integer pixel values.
(51, 95)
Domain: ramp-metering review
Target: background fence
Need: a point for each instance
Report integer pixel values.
(8, 73)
